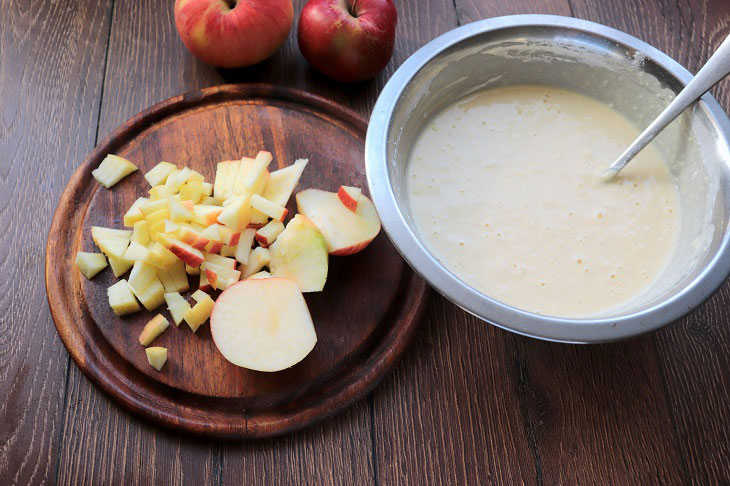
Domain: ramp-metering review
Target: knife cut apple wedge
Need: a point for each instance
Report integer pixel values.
(252, 329)
(345, 231)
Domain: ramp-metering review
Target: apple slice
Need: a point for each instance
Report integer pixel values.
(200, 312)
(268, 234)
(178, 212)
(349, 197)
(177, 305)
(268, 208)
(156, 356)
(258, 259)
(283, 181)
(263, 324)
(90, 263)
(134, 214)
(300, 254)
(243, 249)
(112, 170)
(346, 232)
(121, 298)
(156, 326)
(158, 174)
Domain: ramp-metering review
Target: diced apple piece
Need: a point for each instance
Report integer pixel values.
(261, 274)
(177, 305)
(209, 201)
(153, 296)
(184, 252)
(171, 227)
(243, 249)
(204, 284)
(158, 174)
(174, 278)
(237, 213)
(188, 234)
(219, 260)
(226, 235)
(195, 176)
(156, 356)
(160, 192)
(146, 286)
(211, 276)
(134, 214)
(112, 170)
(136, 252)
(268, 234)
(207, 189)
(90, 263)
(263, 324)
(282, 182)
(159, 256)
(191, 191)
(192, 270)
(112, 242)
(257, 219)
(121, 299)
(349, 196)
(200, 312)
(177, 178)
(119, 265)
(148, 207)
(156, 326)
(140, 234)
(225, 175)
(300, 254)
(268, 208)
(345, 232)
(228, 251)
(257, 260)
(178, 212)
(205, 214)
(254, 173)
(221, 273)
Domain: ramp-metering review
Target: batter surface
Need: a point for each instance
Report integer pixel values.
(503, 189)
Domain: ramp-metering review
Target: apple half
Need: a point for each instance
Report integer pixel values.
(252, 329)
(345, 231)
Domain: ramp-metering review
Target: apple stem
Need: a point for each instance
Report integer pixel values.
(352, 9)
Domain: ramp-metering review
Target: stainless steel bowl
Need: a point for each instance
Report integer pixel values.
(633, 77)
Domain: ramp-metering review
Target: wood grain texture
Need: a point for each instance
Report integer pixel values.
(692, 356)
(433, 410)
(51, 58)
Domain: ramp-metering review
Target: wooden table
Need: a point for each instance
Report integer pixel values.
(470, 404)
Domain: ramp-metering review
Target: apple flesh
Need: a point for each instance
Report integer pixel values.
(346, 232)
(348, 40)
(349, 197)
(233, 33)
(252, 329)
(300, 254)
(156, 357)
(90, 263)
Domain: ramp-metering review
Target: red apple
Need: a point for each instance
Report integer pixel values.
(233, 33)
(348, 40)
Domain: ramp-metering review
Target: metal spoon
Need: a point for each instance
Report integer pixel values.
(716, 68)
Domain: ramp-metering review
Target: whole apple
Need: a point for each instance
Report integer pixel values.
(348, 40)
(233, 33)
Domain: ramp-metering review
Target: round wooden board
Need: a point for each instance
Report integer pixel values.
(365, 317)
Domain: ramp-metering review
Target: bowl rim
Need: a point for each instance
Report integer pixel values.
(556, 329)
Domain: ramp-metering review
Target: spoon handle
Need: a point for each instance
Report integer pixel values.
(716, 68)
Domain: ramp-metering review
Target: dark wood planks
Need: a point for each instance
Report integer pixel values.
(148, 63)
(51, 57)
(693, 356)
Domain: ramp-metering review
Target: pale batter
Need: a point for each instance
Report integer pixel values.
(503, 189)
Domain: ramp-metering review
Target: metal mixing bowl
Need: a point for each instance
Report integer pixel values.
(611, 66)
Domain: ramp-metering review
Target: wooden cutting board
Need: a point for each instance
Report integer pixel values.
(364, 318)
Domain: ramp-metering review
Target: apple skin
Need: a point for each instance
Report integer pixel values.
(348, 40)
(234, 37)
